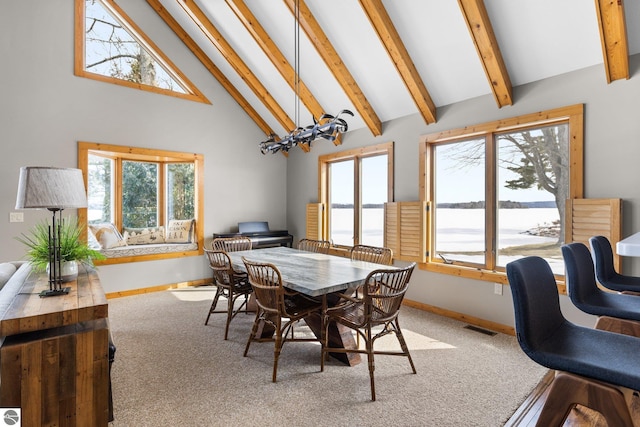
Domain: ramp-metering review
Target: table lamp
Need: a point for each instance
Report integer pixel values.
(53, 189)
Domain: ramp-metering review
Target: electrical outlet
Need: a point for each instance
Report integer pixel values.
(497, 288)
(16, 217)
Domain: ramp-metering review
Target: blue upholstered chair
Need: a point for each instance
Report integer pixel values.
(596, 369)
(605, 270)
(584, 291)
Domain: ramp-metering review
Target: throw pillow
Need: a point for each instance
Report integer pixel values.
(107, 235)
(143, 236)
(92, 242)
(180, 231)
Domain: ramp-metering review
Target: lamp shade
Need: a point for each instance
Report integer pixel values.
(50, 188)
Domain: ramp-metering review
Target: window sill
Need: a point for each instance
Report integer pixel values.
(337, 251)
(478, 274)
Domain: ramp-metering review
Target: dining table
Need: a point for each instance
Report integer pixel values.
(316, 275)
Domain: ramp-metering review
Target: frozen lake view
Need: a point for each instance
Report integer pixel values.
(459, 230)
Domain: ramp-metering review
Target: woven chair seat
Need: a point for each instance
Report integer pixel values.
(354, 315)
(242, 286)
(297, 304)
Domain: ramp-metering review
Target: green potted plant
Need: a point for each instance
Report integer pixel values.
(72, 248)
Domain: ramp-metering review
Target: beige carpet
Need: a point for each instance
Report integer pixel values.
(171, 370)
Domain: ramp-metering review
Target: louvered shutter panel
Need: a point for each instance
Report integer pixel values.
(314, 221)
(405, 225)
(594, 217)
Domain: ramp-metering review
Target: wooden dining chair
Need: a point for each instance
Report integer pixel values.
(378, 255)
(382, 295)
(230, 284)
(232, 244)
(310, 245)
(375, 254)
(278, 308)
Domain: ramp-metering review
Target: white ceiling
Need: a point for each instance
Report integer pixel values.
(537, 39)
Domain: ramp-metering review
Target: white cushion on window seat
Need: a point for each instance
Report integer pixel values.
(151, 249)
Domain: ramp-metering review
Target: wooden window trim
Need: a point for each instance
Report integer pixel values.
(120, 152)
(193, 94)
(355, 153)
(573, 115)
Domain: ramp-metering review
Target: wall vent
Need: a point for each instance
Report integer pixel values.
(481, 330)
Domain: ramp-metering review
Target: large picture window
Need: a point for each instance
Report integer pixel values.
(498, 190)
(355, 185)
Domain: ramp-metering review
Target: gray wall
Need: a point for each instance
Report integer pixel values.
(612, 150)
(45, 110)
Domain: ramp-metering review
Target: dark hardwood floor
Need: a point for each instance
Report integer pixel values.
(527, 414)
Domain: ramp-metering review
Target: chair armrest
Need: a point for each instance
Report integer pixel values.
(343, 302)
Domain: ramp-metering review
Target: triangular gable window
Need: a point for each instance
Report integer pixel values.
(110, 47)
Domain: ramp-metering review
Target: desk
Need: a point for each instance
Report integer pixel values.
(629, 246)
(315, 275)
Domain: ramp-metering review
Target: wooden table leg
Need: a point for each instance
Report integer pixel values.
(339, 336)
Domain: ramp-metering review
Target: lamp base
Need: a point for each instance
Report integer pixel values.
(54, 292)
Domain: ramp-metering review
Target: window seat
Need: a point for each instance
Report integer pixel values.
(150, 249)
(150, 252)
(139, 244)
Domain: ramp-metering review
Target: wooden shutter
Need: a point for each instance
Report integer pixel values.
(594, 217)
(405, 230)
(314, 221)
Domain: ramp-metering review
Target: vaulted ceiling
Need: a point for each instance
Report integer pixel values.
(387, 59)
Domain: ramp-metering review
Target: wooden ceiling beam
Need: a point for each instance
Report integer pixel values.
(215, 37)
(481, 30)
(276, 56)
(209, 65)
(324, 47)
(613, 36)
(382, 24)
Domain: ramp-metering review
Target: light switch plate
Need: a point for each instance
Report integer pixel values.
(16, 217)
(497, 288)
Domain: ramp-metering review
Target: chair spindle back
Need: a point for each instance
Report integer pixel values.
(374, 254)
(319, 246)
(231, 244)
(266, 282)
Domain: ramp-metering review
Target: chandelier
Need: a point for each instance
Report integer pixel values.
(326, 127)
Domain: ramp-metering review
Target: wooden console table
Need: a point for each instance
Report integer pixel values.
(54, 358)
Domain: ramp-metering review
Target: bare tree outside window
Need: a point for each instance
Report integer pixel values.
(112, 50)
(532, 178)
(540, 159)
